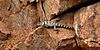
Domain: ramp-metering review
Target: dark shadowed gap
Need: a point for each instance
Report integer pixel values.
(76, 7)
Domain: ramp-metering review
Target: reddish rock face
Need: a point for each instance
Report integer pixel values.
(87, 21)
(17, 31)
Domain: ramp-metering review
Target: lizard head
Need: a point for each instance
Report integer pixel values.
(40, 24)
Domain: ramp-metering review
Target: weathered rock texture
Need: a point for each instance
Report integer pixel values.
(18, 32)
(87, 25)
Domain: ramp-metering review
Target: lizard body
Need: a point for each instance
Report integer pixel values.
(53, 24)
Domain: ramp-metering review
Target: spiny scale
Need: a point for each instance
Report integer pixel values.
(52, 24)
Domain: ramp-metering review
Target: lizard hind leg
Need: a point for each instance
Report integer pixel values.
(55, 28)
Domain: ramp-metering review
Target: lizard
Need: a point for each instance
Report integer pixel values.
(53, 24)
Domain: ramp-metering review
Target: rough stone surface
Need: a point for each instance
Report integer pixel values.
(18, 32)
(54, 7)
(87, 25)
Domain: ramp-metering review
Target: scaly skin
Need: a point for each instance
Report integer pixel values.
(52, 24)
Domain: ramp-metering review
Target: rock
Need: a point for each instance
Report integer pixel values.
(17, 18)
(87, 25)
